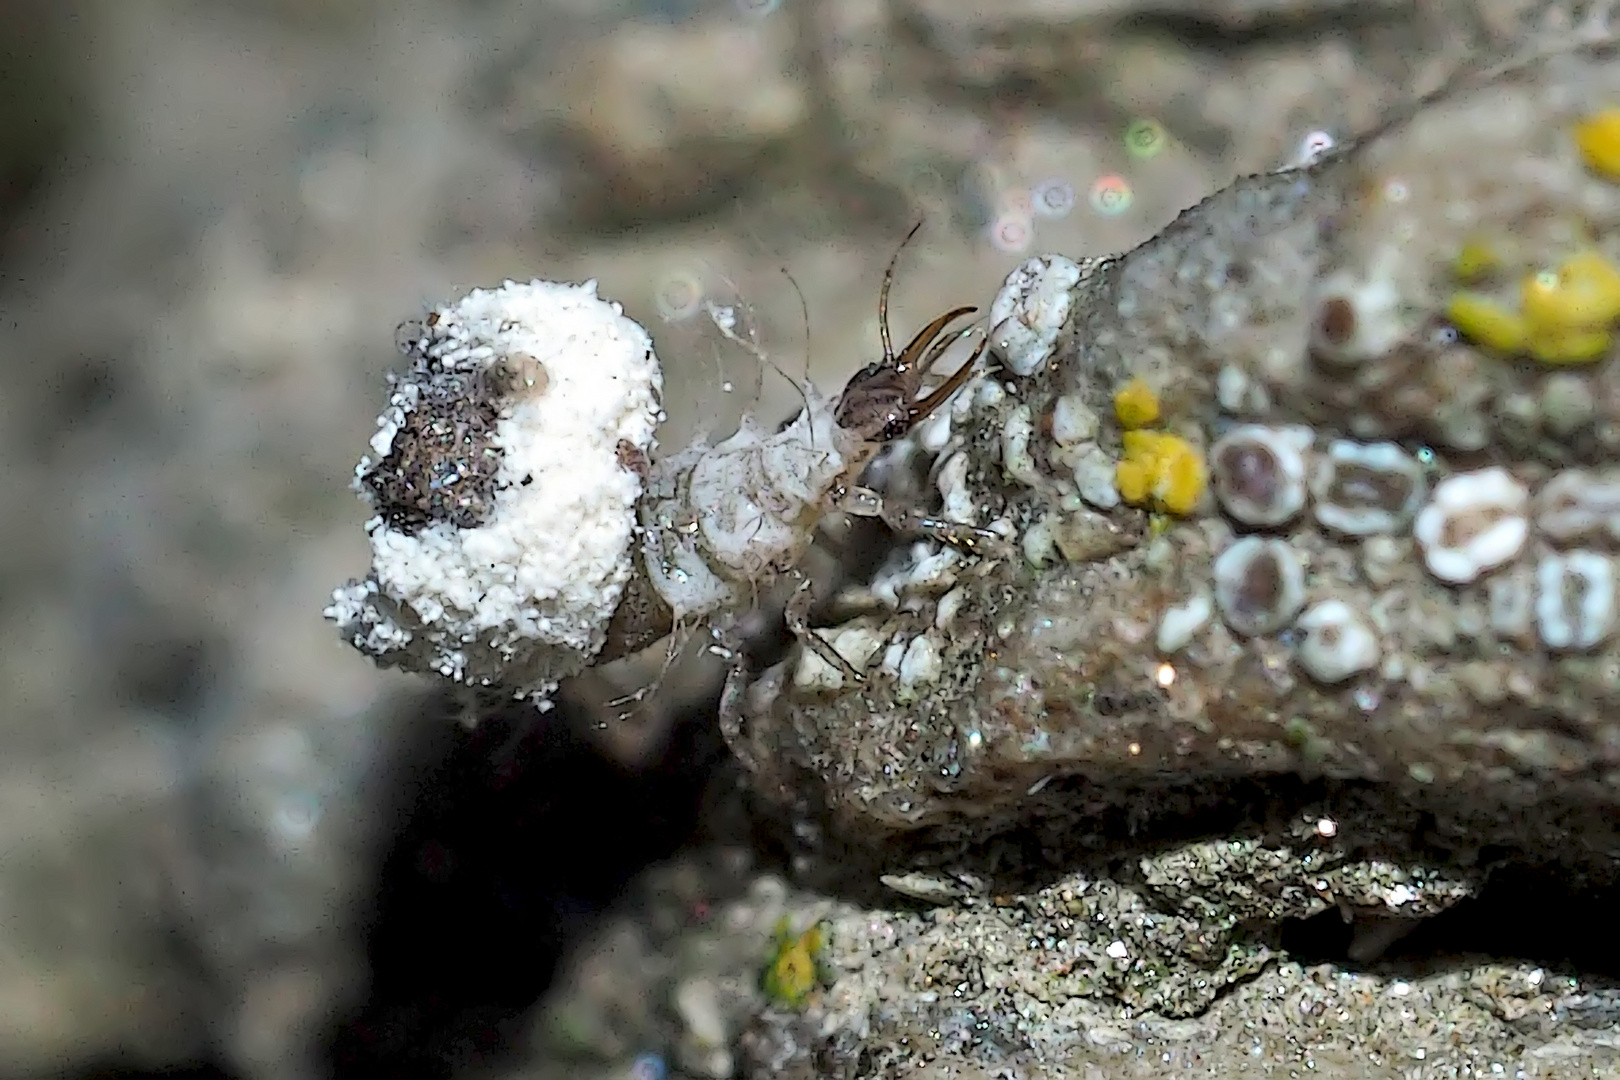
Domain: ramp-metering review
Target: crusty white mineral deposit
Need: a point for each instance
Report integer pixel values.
(504, 484)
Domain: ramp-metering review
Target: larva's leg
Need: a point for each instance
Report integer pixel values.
(731, 711)
(969, 539)
(864, 502)
(797, 615)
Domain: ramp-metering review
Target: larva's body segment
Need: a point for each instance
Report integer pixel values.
(722, 521)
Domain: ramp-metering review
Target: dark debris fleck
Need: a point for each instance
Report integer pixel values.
(443, 461)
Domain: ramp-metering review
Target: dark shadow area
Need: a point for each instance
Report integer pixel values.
(1531, 914)
(182, 1072)
(42, 102)
(522, 834)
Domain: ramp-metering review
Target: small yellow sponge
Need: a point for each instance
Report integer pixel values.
(1135, 404)
(1598, 139)
(1485, 322)
(1161, 471)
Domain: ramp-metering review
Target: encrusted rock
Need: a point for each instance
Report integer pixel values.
(1085, 681)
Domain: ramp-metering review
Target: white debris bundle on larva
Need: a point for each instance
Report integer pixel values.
(507, 469)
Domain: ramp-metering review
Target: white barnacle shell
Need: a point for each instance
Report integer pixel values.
(1030, 310)
(1258, 473)
(1354, 321)
(1362, 489)
(1575, 602)
(1259, 585)
(1474, 523)
(1338, 643)
(1181, 623)
(1576, 505)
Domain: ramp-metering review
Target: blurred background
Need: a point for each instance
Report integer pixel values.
(228, 846)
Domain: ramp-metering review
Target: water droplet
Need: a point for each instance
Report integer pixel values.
(1145, 138)
(1111, 195)
(1313, 146)
(648, 1066)
(679, 296)
(1052, 198)
(1011, 233)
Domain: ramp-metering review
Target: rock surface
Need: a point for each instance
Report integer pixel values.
(1400, 570)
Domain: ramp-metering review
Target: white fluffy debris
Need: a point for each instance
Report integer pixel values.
(508, 466)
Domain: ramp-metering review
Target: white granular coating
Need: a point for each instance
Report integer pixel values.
(524, 598)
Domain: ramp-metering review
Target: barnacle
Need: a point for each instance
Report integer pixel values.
(1598, 139)
(1161, 471)
(1135, 404)
(794, 967)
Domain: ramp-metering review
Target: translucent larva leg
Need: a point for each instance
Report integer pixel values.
(970, 539)
(797, 615)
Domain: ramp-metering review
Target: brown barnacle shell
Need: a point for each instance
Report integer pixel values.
(1578, 505)
(1361, 489)
(1259, 585)
(1354, 321)
(1258, 473)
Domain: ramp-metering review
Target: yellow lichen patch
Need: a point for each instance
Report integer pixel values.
(1565, 316)
(1475, 261)
(1160, 471)
(1568, 313)
(794, 968)
(1598, 139)
(1485, 322)
(1135, 404)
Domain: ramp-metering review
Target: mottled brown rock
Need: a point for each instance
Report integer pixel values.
(1495, 669)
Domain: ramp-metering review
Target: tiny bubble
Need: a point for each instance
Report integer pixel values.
(726, 386)
(1111, 195)
(1011, 233)
(1396, 191)
(1052, 198)
(679, 296)
(648, 1066)
(1314, 145)
(1145, 138)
